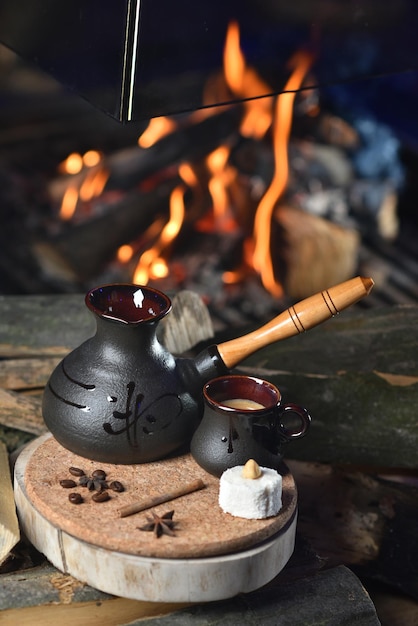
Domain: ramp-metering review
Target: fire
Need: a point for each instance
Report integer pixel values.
(157, 128)
(69, 203)
(260, 115)
(245, 83)
(93, 178)
(188, 174)
(75, 161)
(93, 184)
(72, 164)
(151, 264)
(125, 253)
(262, 261)
(222, 176)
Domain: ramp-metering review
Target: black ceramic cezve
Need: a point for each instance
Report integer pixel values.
(121, 397)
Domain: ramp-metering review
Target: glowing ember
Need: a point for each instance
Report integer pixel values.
(72, 164)
(90, 184)
(125, 253)
(91, 158)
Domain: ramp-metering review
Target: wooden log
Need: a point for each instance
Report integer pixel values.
(9, 526)
(21, 412)
(44, 595)
(357, 373)
(39, 326)
(20, 374)
(311, 253)
(366, 521)
(43, 325)
(188, 324)
(190, 142)
(358, 376)
(87, 246)
(51, 326)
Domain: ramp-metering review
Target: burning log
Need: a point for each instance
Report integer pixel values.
(311, 253)
(131, 166)
(87, 246)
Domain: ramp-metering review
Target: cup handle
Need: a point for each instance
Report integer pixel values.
(305, 421)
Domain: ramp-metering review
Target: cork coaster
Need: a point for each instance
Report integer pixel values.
(202, 528)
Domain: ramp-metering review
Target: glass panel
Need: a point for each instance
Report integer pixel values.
(140, 59)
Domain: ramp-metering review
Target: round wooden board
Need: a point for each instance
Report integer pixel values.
(212, 556)
(202, 528)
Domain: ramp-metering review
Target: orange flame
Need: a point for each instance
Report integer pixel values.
(262, 261)
(93, 184)
(151, 264)
(69, 203)
(89, 180)
(188, 174)
(157, 128)
(125, 253)
(222, 176)
(244, 82)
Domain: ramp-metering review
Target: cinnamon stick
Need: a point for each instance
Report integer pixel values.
(148, 503)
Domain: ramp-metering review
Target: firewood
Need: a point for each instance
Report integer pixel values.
(311, 253)
(9, 526)
(85, 247)
(368, 523)
(21, 412)
(130, 166)
(47, 326)
(358, 376)
(21, 374)
(40, 595)
(188, 324)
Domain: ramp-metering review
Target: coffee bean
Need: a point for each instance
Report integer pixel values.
(100, 474)
(68, 483)
(75, 498)
(101, 496)
(115, 485)
(76, 471)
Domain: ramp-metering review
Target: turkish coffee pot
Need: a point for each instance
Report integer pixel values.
(122, 398)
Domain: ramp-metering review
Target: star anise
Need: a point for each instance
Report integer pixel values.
(93, 483)
(160, 524)
(96, 482)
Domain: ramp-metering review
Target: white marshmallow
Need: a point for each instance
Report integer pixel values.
(250, 498)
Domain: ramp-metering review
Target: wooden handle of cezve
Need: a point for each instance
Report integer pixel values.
(297, 319)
